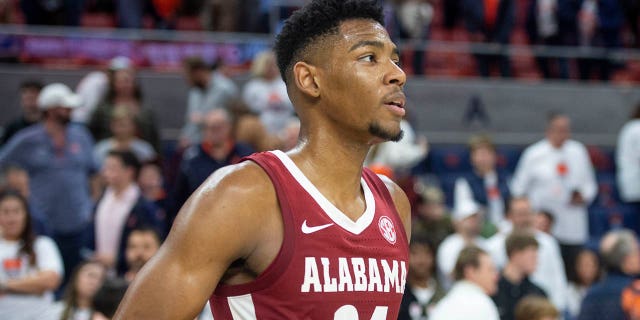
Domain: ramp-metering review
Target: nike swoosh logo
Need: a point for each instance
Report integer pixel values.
(307, 230)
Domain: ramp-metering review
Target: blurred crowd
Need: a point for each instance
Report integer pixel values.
(88, 195)
(588, 31)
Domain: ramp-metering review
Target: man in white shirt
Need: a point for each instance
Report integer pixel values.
(549, 273)
(209, 90)
(467, 219)
(476, 279)
(628, 159)
(557, 176)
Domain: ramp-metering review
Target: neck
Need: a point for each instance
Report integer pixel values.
(84, 302)
(483, 172)
(32, 116)
(332, 160)
(119, 189)
(54, 129)
(513, 274)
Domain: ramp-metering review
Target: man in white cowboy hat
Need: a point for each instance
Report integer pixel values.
(467, 220)
(57, 156)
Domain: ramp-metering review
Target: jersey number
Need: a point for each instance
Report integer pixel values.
(349, 312)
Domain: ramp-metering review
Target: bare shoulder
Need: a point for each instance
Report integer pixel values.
(401, 202)
(233, 206)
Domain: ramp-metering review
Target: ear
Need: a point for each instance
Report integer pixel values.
(304, 77)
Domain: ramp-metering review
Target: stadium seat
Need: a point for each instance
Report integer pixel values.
(449, 159)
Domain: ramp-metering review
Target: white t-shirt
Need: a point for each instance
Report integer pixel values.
(448, 255)
(270, 100)
(548, 176)
(628, 161)
(15, 266)
(465, 301)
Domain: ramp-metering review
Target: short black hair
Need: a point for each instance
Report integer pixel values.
(31, 85)
(317, 19)
(128, 159)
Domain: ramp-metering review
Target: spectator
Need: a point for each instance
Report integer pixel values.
(544, 222)
(151, 183)
(218, 149)
(16, 178)
(289, 135)
(108, 297)
(31, 265)
(452, 10)
(467, 219)
(587, 273)
(476, 279)
(600, 23)
(123, 127)
(209, 90)
(53, 12)
(414, 17)
(266, 94)
(220, 15)
(29, 91)
(556, 175)
(399, 156)
(621, 257)
(57, 156)
(121, 209)
(124, 91)
(93, 88)
(536, 308)
(485, 184)
(78, 297)
(142, 245)
(491, 22)
(431, 219)
(422, 291)
(631, 9)
(547, 25)
(514, 283)
(549, 272)
(628, 160)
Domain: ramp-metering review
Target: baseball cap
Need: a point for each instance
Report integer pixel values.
(120, 63)
(57, 95)
(465, 209)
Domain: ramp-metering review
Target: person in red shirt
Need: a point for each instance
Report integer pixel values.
(308, 234)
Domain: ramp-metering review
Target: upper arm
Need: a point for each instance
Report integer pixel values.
(218, 225)
(401, 203)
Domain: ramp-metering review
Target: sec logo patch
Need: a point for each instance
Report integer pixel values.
(387, 229)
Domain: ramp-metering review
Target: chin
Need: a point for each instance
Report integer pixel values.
(384, 134)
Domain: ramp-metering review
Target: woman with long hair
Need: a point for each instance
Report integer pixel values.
(31, 267)
(85, 281)
(124, 90)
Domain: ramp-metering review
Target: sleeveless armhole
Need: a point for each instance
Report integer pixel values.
(272, 273)
(381, 188)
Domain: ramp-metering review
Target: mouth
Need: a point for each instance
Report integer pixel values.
(396, 103)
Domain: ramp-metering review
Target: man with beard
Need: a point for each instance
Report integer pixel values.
(142, 244)
(57, 156)
(209, 90)
(308, 234)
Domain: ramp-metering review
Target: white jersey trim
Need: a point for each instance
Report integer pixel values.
(341, 219)
(242, 307)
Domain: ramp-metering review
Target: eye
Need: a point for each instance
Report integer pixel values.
(368, 58)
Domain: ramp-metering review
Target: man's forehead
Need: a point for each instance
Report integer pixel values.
(359, 29)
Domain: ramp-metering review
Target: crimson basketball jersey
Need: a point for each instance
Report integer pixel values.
(329, 267)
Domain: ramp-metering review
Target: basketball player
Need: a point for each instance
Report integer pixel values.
(309, 234)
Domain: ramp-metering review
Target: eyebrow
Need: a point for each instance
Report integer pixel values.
(372, 43)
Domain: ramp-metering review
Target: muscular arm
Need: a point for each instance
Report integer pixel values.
(401, 202)
(219, 224)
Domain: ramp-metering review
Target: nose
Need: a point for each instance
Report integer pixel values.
(395, 75)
